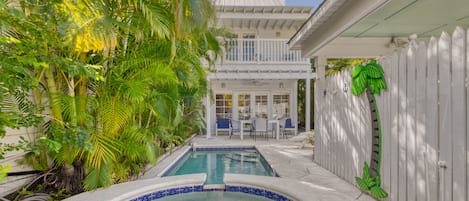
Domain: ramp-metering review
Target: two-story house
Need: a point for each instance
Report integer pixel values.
(258, 75)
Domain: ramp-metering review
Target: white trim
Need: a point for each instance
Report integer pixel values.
(208, 114)
(249, 10)
(265, 16)
(308, 105)
(253, 75)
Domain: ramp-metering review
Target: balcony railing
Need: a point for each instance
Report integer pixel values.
(261, 51)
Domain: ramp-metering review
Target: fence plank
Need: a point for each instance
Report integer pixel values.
(329, 134)
(467, 111)
(385, 126)
(346, 127)
(458, 98)
(350, 134)
(334, 125)
(431, 115)
(445, 131)
(420, 120)
(394, 114)
(410, 127)
(354, 141)
(335, 133)
(402, 125)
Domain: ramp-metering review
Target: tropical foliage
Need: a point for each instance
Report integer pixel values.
(335, 65)
(112, 83)
(370, 78)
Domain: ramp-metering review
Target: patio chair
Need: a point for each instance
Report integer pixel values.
(260, 126)
(223, 124)
(236, 127)
(288, 127)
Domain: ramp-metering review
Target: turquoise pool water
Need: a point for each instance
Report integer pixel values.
(214, 196)
(216, 163)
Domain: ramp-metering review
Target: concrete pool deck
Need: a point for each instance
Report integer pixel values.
(286, 159)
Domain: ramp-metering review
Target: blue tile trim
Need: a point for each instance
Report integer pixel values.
(258, 192)
(224, 148)
(169, 192)
(199, 188)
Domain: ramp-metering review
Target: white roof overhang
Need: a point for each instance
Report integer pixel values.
(384, 19)
(261, 17)
(260, 75)
(331, 19)
(258, 71)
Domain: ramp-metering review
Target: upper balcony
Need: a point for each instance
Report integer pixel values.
(261, 51)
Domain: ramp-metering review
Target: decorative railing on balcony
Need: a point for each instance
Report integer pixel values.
(261, 51)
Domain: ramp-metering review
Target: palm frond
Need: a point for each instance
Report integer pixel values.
(98, 177)
(105, 150)
(114, 114)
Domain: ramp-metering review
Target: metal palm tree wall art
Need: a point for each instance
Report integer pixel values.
(369, 78)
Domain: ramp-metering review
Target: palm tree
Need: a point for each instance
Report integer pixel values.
(370, 78)
(109, 77)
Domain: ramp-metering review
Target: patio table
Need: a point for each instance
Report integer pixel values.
(241, 127)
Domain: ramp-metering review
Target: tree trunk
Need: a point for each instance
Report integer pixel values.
(70, 177)
(54, 97)
(375, 135)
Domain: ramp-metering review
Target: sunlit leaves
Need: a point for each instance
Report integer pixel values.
(98, 177)
(3, 171)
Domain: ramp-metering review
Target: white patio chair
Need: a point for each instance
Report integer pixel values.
(260, 126)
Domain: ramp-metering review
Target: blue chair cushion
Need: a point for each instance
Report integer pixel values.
(223, 123)
(288, 123)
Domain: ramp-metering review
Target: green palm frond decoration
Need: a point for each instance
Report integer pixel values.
(370, 78)
(370, 75)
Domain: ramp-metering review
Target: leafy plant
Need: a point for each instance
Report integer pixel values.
(3, 171)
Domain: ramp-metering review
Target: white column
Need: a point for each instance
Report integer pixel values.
(295, 105)
(308, 105)
(207, 110)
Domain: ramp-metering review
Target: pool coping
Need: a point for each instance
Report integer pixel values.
(135, 189)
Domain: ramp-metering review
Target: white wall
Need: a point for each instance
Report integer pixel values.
(13, 159)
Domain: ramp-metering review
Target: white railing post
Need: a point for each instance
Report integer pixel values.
(256, 50)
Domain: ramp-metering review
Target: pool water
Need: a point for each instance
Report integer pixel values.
(216, 163)
(214, 196)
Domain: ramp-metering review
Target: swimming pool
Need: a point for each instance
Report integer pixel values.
(215, 162)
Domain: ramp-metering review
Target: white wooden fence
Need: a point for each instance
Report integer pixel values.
(424, 118)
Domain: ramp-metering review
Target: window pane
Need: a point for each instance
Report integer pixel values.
(244, 106)
(281, 106)
(261, 106)
(223, 105)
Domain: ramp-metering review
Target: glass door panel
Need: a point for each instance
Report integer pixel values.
(281, 106)
(244, 106)
(261, 106)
